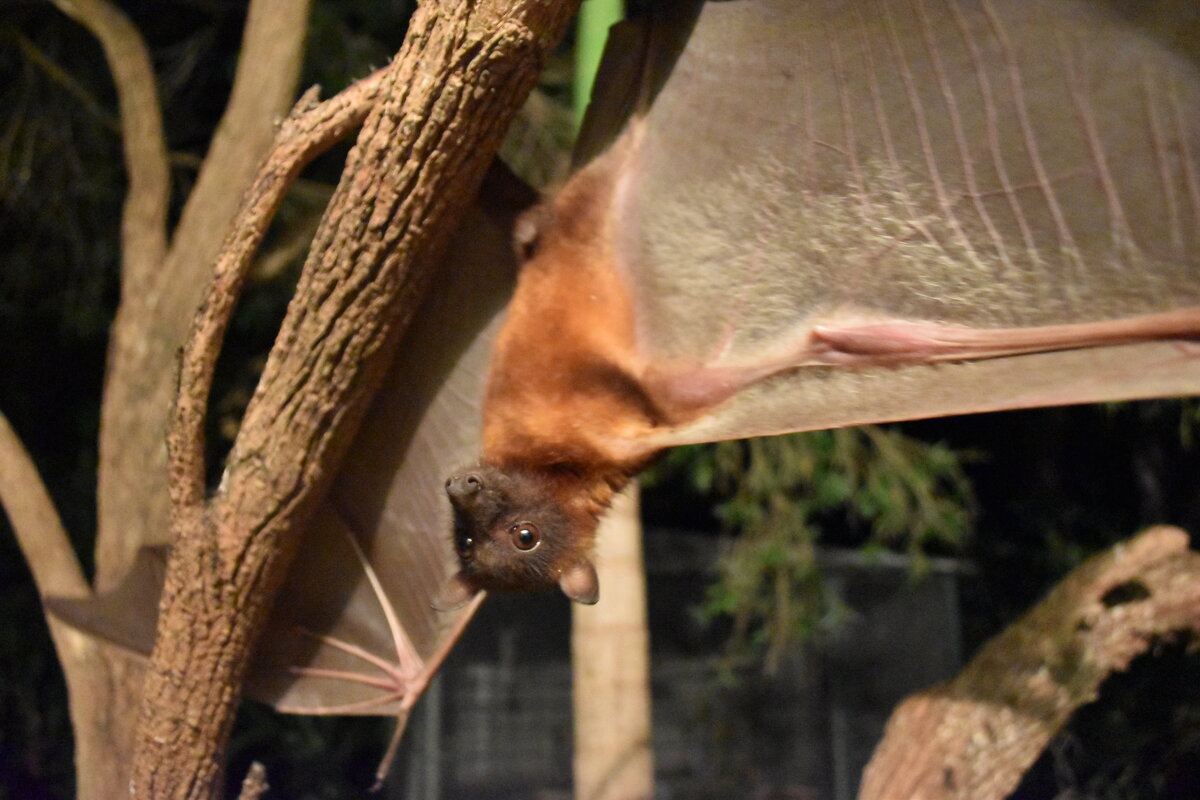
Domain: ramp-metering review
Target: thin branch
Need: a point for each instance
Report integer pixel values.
(35, 521)
(263, 88)
(126, 501)
(144, 222)
(308, 131)
(976, 735)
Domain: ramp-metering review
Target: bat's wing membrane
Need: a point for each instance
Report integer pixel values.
(356, 623)
(990, 166)
(128, 615)
(355, 630)
(800, 166)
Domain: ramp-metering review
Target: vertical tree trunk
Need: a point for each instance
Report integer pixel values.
(610, 655)
(104, 688)
(160, 291)
(161, 286)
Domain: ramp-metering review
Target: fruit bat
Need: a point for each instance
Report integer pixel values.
(832, 213)
(786, 216)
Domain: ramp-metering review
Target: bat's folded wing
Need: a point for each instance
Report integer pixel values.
(356, 629)
(823, 194)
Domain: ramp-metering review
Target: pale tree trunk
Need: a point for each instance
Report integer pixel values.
(975, 736)
(610, 664)
(160, 289)
(101, 683)
(160, 295)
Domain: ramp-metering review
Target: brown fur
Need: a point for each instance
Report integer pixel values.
(564, 405)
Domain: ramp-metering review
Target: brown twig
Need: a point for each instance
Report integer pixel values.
(255, 784)
(310, 129)
(975, 736)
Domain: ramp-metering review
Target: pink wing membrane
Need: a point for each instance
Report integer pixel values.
(356, 631)
(921, 164)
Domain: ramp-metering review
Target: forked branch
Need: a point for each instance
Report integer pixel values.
(975, 736)
(440, 112)
(310, 129)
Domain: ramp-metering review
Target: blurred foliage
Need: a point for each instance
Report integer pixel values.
(874, 484)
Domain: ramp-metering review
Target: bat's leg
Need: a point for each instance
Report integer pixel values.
(867, 342)
(855, 340)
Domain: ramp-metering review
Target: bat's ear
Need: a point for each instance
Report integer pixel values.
(455, 594)
(528, 230)
(581, 584)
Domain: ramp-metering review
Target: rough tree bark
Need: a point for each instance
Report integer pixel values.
(441, 109)
(975, 736)
(161, 292)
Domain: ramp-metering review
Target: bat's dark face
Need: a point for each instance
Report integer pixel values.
(511, 534)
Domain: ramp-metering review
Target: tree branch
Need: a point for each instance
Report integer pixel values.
(263, 90)
(143, 248)
(35, 521)
(975, 736)
(144, 221)
(254, 785)
(310, 129)
(133, 503)
(443, 105)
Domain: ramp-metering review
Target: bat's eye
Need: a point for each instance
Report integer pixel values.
(466, 546)
(525, 535)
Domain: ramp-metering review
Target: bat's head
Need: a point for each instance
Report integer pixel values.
(512, 533)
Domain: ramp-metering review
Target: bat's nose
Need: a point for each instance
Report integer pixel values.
(460, 487)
